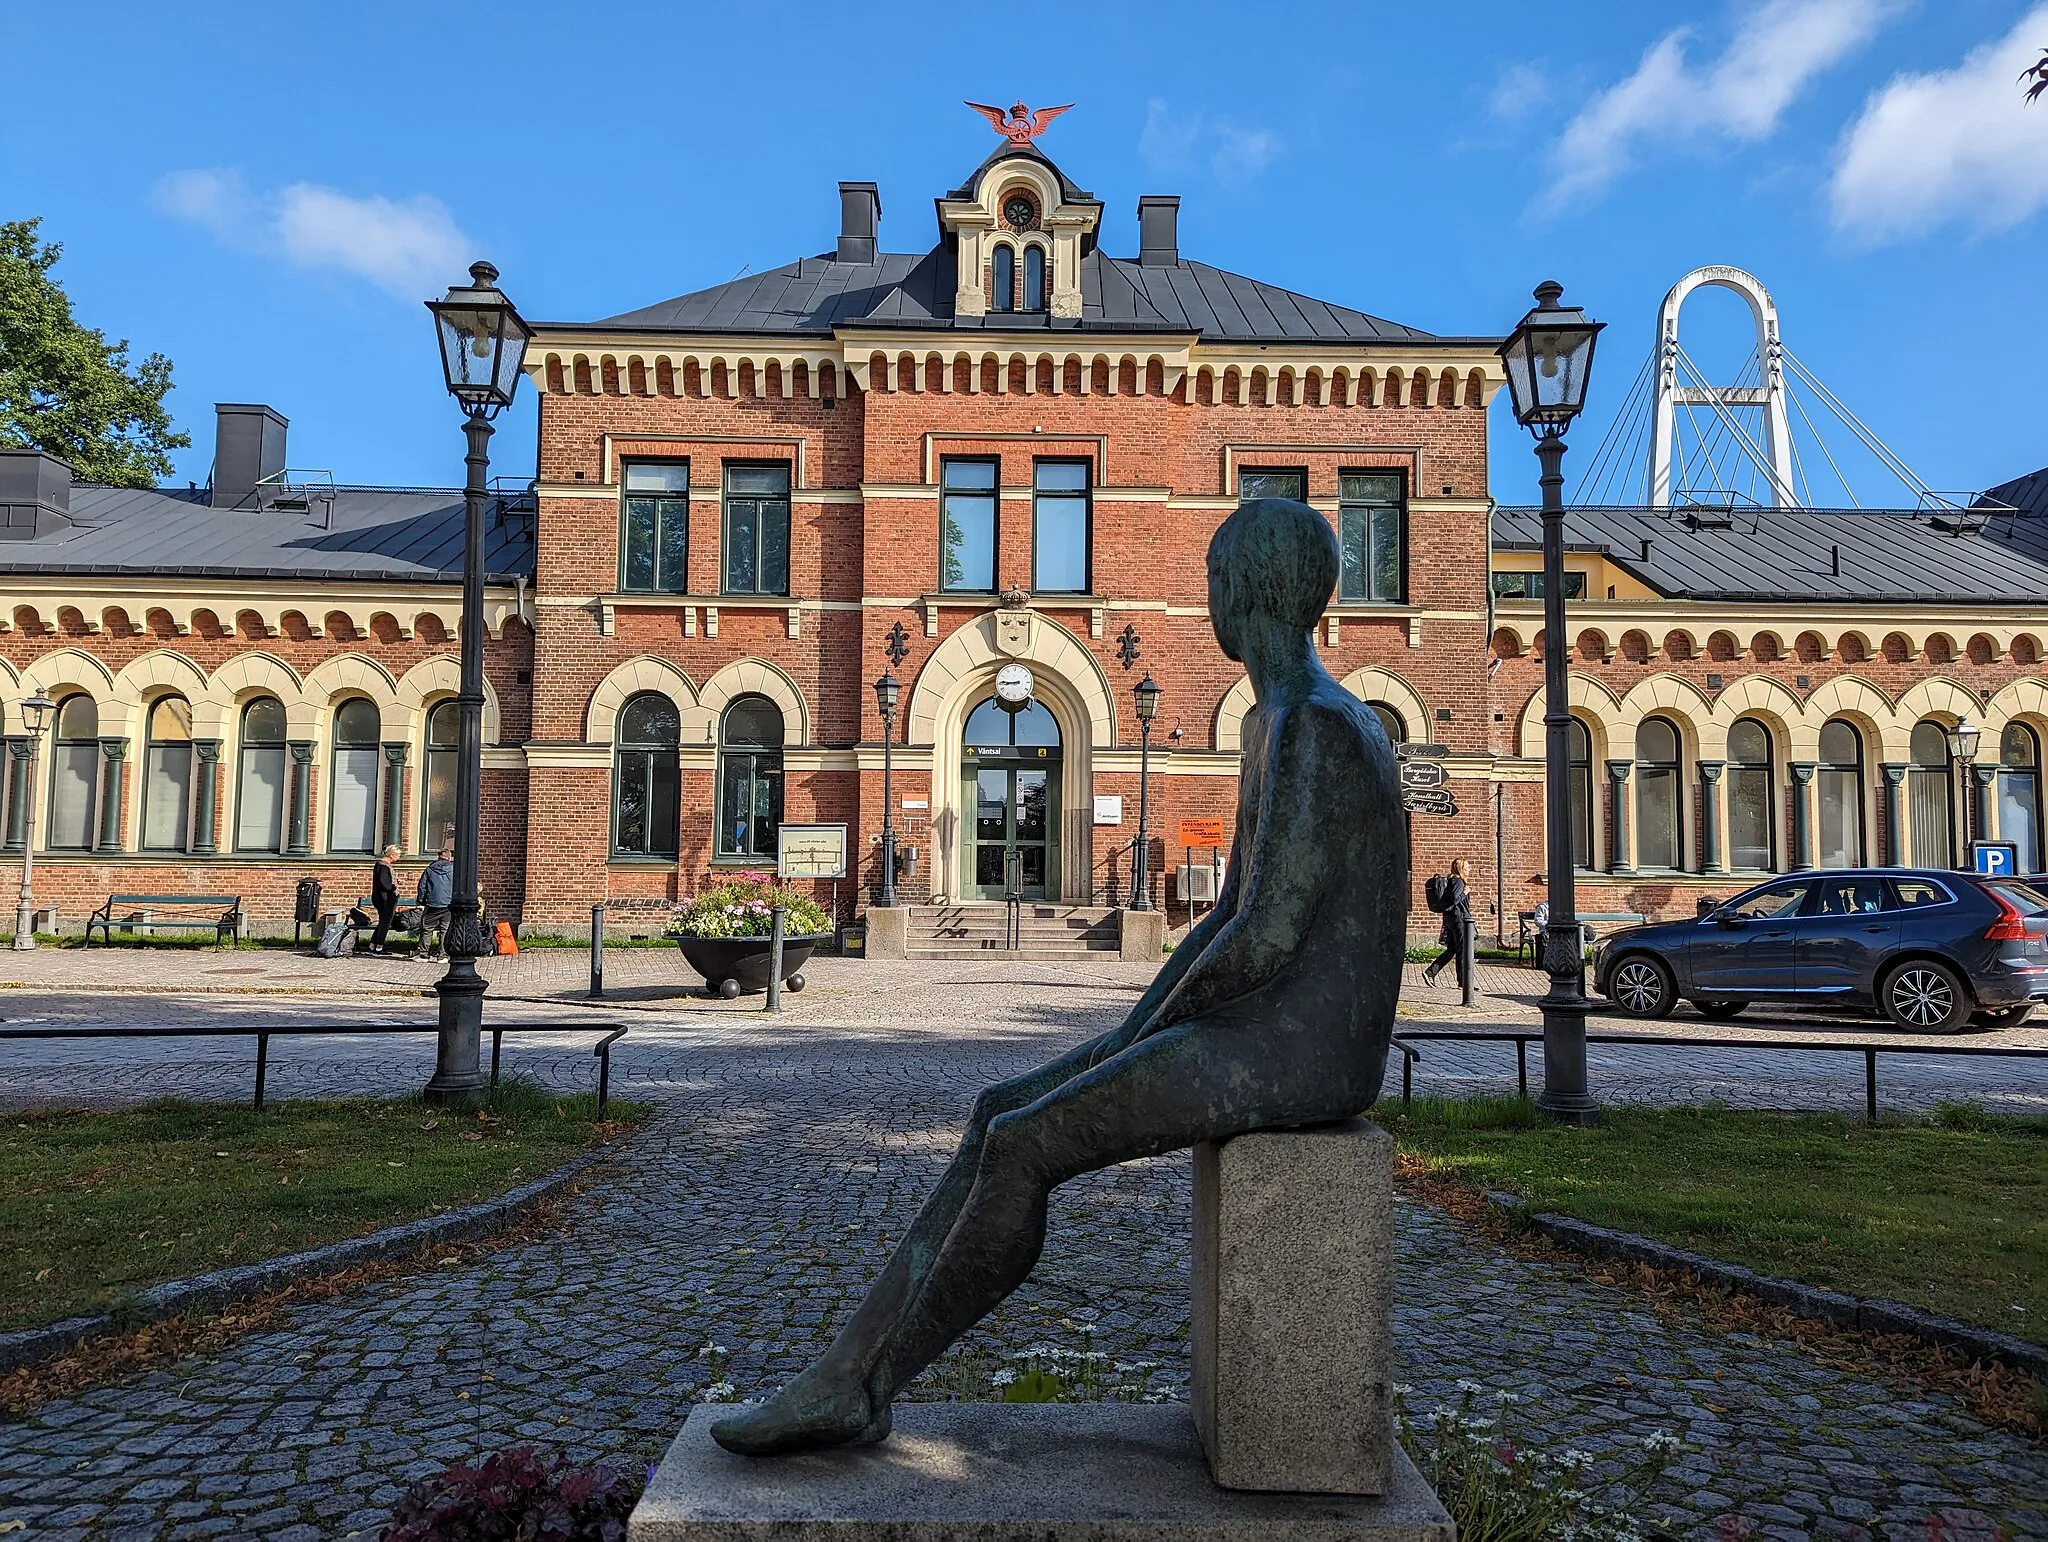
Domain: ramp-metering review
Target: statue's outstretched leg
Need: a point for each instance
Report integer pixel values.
(828, 1403)
(1163, 1093)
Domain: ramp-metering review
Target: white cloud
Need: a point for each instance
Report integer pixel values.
(1521, 89)
(410, 248)
(1954, 145)
(1778, 47)
(1177, 141)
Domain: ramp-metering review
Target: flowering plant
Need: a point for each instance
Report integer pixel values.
(1499, 1490)
(514, 1495)
(740, 906)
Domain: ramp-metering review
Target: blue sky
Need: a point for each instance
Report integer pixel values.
(265, 192)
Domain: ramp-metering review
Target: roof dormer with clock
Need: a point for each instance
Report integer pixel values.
(1019, 229)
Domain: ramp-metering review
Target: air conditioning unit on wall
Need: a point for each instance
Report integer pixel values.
(1195, 882)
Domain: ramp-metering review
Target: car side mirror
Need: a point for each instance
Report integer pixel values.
(1729, 918)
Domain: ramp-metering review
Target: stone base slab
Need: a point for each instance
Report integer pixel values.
(1006, 1472)
(888, 931)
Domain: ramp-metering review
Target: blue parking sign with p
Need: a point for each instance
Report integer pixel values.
(1995, 859)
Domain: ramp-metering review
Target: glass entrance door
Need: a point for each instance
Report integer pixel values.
(1011, 761)
(1013, 827)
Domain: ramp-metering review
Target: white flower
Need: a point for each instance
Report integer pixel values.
(720, 1392)
(1086, 1327)
(1471, 1387)
(1002, 1378)
(1402, 1389)
(1505, 1396)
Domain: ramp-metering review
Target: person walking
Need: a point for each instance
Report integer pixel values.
(436, 893)
(1449, 897)
(383, 897)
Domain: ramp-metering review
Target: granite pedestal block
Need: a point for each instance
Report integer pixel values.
(1293, 1293)
(1005, 1472)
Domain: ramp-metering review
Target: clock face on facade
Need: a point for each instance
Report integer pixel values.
(1013, 685)
(1018, 212)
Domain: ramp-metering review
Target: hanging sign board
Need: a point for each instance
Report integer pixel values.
(1422, 775)
(1433, 800)
(1200, 832)
(1434, 751)
(810, 851)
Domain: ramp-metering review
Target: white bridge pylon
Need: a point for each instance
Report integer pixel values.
(1774, 456)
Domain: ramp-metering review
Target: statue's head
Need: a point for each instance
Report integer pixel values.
(1274, 559)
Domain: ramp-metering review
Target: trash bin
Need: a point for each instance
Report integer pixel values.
(306, 906)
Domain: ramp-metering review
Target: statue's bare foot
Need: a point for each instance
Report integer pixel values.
(805, 1415)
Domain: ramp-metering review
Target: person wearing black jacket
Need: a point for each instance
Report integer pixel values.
(383, 896)
(1454, 901)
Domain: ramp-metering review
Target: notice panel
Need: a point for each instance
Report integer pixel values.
(810, 851)
(1200, 832)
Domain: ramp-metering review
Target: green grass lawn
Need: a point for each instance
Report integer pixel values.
(95, 1206)
(1949, 1214)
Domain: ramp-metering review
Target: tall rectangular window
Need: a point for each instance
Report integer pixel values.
(654, 533)
(756, 529)
(1273, 484)
(1059, 527)
(1371, 530)
(967, 525)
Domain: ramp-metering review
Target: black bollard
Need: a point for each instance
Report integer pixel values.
(775, 958)
(1467, 949)
(597, 950)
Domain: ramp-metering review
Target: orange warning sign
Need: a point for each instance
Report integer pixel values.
(1201, 832)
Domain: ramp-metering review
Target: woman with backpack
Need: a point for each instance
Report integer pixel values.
(383, 896)
(1448, 896)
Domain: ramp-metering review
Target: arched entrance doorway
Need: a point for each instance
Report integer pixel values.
(1010, 770)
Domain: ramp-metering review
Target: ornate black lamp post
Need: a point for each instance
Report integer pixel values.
(1548, 360)
(886, 690)
(1147, 695)
(1962, 747)
(35, 717)
(483, 344)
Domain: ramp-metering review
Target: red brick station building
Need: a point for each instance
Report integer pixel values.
(1014, 446)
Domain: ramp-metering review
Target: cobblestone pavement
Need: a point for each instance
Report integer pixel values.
(787, 1154)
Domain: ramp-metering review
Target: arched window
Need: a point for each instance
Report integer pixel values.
(749, 777)
(1658, 826)
(1391, 722)
(1930, 796)
(74, 775)
(1841, 795)
(437, 791)
(2019, 794)
(1034, 278)
(352, 804)
(1581, 762)
(1003, 280)
(1751, 829)
(259, 777)
(167, 777)
(645, 778)
(991, 726)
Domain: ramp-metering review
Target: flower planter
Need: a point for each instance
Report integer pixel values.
(734, 964)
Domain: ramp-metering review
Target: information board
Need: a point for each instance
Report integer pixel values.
(1200, 832)
(810, 851)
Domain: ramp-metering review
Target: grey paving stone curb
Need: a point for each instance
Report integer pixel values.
(223, 1287)
(1829, 1306)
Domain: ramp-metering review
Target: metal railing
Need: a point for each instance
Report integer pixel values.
(1521, 1040)
(612, 1032)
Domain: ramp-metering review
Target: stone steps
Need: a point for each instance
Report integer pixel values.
(982, 931)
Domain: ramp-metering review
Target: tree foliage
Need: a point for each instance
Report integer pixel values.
(67, 391)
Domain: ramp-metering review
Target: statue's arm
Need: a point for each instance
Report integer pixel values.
(1137, 1021)
(1276, 890)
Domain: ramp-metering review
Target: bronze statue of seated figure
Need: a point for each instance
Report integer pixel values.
(1275, 1011)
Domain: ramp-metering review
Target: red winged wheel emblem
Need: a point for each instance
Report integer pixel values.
(1020, 125)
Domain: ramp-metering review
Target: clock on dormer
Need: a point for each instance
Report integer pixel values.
(1019, 212)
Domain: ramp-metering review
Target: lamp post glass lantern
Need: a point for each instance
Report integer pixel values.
(886, 691)
(483, 350)
(35, 717)
(1147, 693)
(1962, 747)
(1549, 361)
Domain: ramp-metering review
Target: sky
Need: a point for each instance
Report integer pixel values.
(265, 193)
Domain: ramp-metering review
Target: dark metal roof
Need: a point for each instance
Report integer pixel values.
(2028, 494)
(1898, 556)
(1118, 294)
(404, 535)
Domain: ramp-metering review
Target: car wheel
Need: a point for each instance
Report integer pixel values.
(2004, 1017)
(1719, 1009)
(1641, 987)
(1927, 997)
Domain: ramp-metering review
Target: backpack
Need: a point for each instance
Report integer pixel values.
(337, 939)
(1436, 893)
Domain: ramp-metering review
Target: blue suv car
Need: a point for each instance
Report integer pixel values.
(1932, 950)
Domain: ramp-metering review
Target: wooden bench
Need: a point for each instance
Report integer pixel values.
(224, 920)
(1525, 927)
